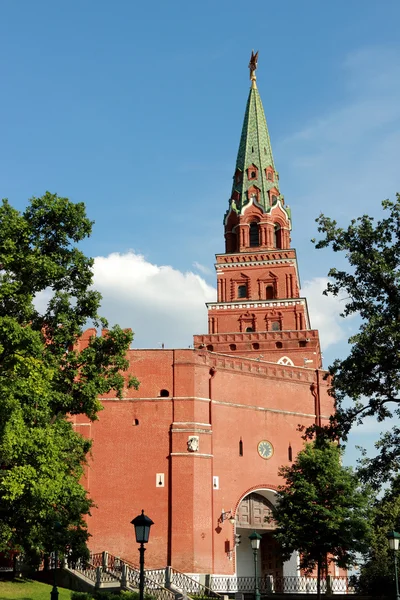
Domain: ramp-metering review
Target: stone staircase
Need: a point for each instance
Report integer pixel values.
(105, 571)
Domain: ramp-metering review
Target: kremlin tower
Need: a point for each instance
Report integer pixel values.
(259, 311)
(199, 445)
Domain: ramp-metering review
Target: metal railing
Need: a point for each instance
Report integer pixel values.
(86, 569)
(96, 559)
(287, 584)
(292, 584)
(164, 584)
(190, 586)
(157, 575)
(151, 588)
(129, 576)
(95, 572)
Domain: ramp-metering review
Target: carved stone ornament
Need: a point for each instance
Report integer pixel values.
(193, 443)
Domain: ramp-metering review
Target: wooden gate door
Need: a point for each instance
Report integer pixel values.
(255, 512)
(271, 559)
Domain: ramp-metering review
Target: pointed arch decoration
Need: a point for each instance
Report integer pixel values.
(247, 322)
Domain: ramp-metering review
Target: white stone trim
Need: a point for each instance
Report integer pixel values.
(256, 263)
(191, 423)
(191, 430)
(256, 303)
(192, 454)
(157, 398)
(264, 409)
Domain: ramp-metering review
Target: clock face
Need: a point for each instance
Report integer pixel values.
(265, 449)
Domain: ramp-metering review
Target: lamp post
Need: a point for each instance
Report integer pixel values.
(54, 591)
(393, 538)
(142, 525)
(255, 539)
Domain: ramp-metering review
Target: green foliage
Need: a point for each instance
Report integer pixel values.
(45, 376)
(82, 596)
(370, 374)
(321, 510)
(377, 571)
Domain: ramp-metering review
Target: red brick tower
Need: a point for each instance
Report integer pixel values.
(199, 445)
(259, 312)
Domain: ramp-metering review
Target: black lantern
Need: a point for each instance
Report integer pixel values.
(393, 539)
(142, 525)
(255, 539)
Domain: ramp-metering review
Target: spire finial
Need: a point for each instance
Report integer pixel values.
(253, 67)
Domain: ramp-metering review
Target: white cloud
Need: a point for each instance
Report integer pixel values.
(160, 303)
(202, 268)
(325, 312)
(164, 305)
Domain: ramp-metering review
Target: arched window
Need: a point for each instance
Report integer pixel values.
(164, 393)
(232, 347)
(277, 237)
(269, 292)
(249, 330)
(275, 326)
(254, 235)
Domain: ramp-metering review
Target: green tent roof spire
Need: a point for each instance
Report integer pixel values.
(255, 173)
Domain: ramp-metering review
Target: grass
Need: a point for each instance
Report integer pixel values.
(26, 589)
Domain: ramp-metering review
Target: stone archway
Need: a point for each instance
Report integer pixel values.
(254, 513)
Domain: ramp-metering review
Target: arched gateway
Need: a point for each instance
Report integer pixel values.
(254, 513)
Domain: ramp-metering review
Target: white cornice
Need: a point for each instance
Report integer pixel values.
(257, 303)
(260, 263)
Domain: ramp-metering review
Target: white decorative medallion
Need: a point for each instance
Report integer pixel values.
(193, 443)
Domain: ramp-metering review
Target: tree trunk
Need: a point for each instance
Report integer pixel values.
(319, 579)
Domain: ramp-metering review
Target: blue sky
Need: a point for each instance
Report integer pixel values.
(136, 109)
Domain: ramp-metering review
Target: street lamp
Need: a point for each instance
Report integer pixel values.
(255, 539)
(393, 538)
(54, 591)
(142, 525)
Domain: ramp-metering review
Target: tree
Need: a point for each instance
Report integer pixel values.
(370, 375)
(321, 510)
(44, 376)
(377, 571)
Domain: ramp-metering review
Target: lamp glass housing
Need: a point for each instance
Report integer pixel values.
(393, 538)
(255, 539)
(142, 525)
